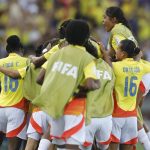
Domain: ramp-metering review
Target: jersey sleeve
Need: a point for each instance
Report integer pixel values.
(45, 65)
(51, 51)
(90, 70)
(116, 40)
(22, 72)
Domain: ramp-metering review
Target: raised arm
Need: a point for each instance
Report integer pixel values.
(105, 54)
(38, 61)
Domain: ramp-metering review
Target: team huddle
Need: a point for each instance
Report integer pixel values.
(76, 95)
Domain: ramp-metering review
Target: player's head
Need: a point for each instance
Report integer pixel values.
(13, 44)
(62, 28)
(77, 32)
(112, 16)
(127, 49)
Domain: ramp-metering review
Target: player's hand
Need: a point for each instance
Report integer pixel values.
(102, 48)
(49, 46)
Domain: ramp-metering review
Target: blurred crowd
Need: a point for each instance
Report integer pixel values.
(37, 21)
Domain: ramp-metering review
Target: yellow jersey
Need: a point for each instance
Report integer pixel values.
(128, 76)
(11, 89)
(119, 33)
(51, 51)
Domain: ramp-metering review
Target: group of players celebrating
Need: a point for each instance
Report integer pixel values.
(82, 96)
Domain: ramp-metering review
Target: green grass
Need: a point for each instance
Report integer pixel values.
(139, 147)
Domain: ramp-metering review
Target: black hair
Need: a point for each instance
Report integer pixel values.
(77, 32)
(62, 29)
(41, 47)
(90, 48)
(118, 14)
(130, 48)
(13, 44)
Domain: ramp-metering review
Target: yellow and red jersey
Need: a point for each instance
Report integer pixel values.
(128, 76)
(11, 89)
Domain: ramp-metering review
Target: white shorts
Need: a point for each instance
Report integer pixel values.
(13, 122)
(69, 129)
(100, 128)
(125, 130)
(38, 124)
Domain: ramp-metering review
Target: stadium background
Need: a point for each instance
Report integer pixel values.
(37, 21)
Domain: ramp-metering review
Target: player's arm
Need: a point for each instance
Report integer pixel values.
(91, 81)
(140, 94)
(105, 55)
(91, 84)
(111, 53)
(116, 39)
(10, 72)
(38, 61)
(41, 75)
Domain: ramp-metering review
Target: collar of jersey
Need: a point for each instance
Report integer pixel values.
(80, 47)
(13, 54)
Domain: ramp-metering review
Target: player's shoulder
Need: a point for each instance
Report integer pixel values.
(116, 63)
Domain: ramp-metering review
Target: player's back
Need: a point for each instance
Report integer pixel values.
(101, 101)
(118, 33)
(11, 89)
(128, 76)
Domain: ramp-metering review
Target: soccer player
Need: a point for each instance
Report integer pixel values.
(13, 105)
(39, 120)
(128, 76)
(115, 22)
(38, 61)
(63, 68)
(100, 108)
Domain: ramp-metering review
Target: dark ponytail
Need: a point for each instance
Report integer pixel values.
(130, 48)
(90, 48)
(118, 14)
